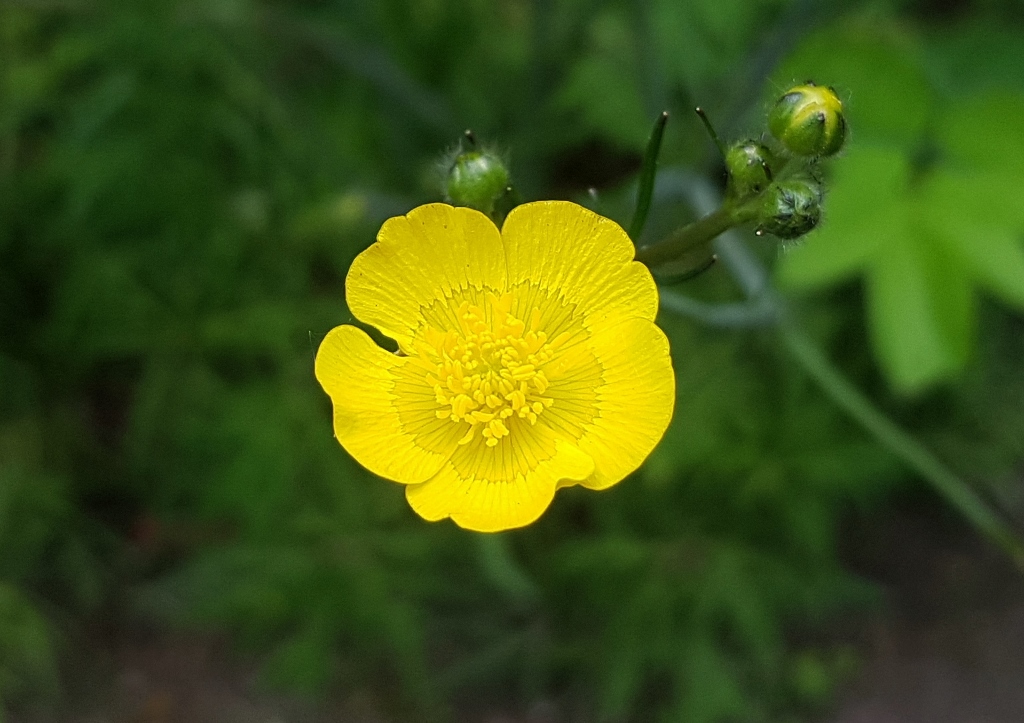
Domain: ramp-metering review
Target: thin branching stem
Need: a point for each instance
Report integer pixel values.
(915, 455)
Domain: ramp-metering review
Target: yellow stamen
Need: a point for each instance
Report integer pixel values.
(489, 369)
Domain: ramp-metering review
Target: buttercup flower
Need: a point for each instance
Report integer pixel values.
(528, 360)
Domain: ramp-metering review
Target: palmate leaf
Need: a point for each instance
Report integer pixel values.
(927, 240)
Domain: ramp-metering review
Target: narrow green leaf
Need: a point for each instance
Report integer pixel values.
(648, 172)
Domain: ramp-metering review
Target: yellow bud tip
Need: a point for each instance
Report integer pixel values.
(808, 120)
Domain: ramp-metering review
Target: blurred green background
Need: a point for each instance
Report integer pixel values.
(183, 184)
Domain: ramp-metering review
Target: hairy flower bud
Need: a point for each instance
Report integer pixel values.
(808, 120)
(476, 179)
(790, 208)
(749, 164)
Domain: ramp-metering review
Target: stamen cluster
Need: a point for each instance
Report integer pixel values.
(489, 370)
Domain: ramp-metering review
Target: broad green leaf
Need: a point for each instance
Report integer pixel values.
(862, 218)
(926, 238)
(980, 52)
(918, 305)
(983, 236)
(984, 132)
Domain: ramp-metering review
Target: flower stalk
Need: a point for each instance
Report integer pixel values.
(694, 235)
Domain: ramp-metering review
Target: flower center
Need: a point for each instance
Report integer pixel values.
(489, 369)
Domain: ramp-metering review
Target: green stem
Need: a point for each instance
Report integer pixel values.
(700, 232)
(901, 444)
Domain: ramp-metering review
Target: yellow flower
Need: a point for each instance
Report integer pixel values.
(528, 360)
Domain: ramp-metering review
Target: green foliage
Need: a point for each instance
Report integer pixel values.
(637, 62)
(46, 549)
(926, 207)
(26, 651)
(182, 188)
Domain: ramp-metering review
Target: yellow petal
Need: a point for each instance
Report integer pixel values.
(384, 411)
(586, 258)
(488, 489)
(634, 401)
(435, 251)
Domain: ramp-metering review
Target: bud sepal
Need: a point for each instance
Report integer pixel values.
(749, 165)
(791, 208)
(476, 179)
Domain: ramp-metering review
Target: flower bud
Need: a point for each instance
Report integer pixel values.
(808, 120)
(476, 179)
(749, 164)
(790, 208)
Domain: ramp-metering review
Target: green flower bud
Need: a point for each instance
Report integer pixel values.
(808, 120)
(749, 164)
(476, 179)
(790, 208)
